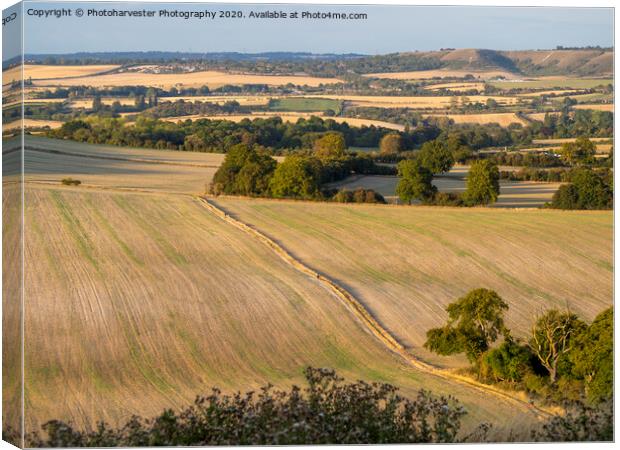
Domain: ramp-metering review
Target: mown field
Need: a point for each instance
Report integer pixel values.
(442, 73)
(405, 264)
(42, 71)
(513, 194)
(213, 79)
(138, 302)
(503, 119)
(553, 82)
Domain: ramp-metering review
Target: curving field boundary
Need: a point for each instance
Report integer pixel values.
(366, 318)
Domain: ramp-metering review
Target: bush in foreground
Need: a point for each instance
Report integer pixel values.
(328, 411)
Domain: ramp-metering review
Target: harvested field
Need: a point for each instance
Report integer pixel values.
(421, 102)
(109, 334)
(564, 140)
(31, 123)
(553, 82)
(41, 71)
(541, 116)
(552, 92)
(50, 160)
(519, 194)
(596, 107)
(504, 119)
(441, 73)
(407, 263)
(88, 102)
(456, 87)
(212, 79)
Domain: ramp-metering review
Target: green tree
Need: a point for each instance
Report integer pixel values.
(587, 190)
(581, 151)
(552, 339)
(296, 177)
(255, 175)
(436, 156)
(415, 181)
(390, 143)
(508, 362)
(593, 357)
(246, 170)
(474, 322)
(482, 183)
(330, 145)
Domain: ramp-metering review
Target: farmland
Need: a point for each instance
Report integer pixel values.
(406, 264)
(520, 194)
(144, 343)
(149, 279)
(41, 72)
(212, 79)
(504, 119)
(553, 82)
(442, 73)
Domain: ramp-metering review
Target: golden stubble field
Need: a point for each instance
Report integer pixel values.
(213, 79)
(407, 263)
(138, 302)
(42, 71)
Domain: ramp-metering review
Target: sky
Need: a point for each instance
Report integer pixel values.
(387, 29)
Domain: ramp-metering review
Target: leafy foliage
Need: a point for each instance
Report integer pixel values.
(474, 322)
(588, 190)
(593, 357)
(482, 183)
(580, 423)
(297, 177)
(436, 156)
(327, 411)
(246, 170)
(391, 143)
(415, 181)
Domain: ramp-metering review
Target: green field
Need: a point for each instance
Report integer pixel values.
(302, 104)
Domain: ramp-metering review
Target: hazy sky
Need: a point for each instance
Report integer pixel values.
(387, 29)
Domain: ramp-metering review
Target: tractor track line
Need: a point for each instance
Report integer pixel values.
(366, 318)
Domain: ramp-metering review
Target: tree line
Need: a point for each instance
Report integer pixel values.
(563, 358)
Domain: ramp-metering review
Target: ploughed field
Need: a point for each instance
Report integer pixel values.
(406, 264)
(138, 302)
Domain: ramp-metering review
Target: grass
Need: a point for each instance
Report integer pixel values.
(303, 104)
(407, 263)
(132, 338)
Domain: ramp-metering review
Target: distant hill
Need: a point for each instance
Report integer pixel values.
(574, 62)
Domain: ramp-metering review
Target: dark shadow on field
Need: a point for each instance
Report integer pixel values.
(40, 163)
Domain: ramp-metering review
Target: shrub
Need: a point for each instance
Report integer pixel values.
(70, 182)
(328, 411)
(508, 362)
(580, 423)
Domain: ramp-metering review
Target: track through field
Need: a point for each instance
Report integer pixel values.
(366, 318)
